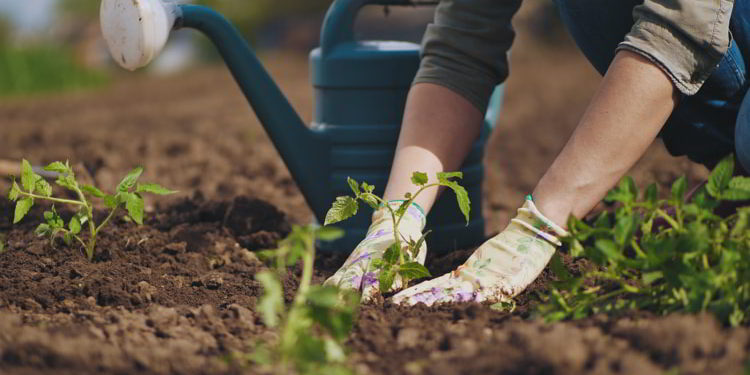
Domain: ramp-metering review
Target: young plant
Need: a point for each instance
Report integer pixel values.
(400, 257)
(313, 329)
(33, 187)
(660, 255)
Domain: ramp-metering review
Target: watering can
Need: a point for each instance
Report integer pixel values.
(360, 91)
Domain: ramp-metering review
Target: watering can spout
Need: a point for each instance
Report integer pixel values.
(138, 30)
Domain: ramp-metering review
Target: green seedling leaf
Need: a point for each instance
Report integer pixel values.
(419, 178)
(68, 238)
(67, 181)
(413, 270)
(354, 185)
(271, 304)
(678, 189)
(608, 248)
(740, 183)
(129, 181)
(42, 187)
(111, 201)
(134, 204)
(43, 230)
(624, 192)
(652, 194)
(342, 209)
(731, 194)
(329, 233)
(446, 176)
(27, 176)
(386, 279)
(720, 176)
(418, 245)
(22, 208)
(402, 208)
(367, 187)
(559, 269)
(370, 199)
(651, 277)
(391, 255)
(153, 189)
(93, 190)
(74, 225)
(58, 167)
(462, 197)
(504, 306)
(15, 191)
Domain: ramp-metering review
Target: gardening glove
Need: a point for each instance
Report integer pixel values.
(357, 273)
(499, 269)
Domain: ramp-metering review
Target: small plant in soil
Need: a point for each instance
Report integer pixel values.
(661, 255)
(128, 194)
(313, 329)
(400, 257)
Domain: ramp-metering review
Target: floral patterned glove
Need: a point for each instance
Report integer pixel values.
(357, 273)
(499, 269)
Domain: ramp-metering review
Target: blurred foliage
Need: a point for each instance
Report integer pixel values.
(5, 30)
(43, 68)
(80, 8)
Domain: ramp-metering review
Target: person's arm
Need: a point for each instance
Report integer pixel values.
(631, 106)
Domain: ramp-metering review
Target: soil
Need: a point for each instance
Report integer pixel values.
(177, 295)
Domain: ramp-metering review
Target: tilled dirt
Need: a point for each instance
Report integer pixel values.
(177, 295)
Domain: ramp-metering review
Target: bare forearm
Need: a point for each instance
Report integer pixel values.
(438, 130)
(624, 117)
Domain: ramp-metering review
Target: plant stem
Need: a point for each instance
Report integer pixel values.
(52, 199)
(92, 226)
(103, 223)
(668, 218)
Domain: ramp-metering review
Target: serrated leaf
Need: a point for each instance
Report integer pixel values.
(391, 255)
(624, 192)
(413, 270)
(15, 191)
(58, 167)
(134, 204)
(385, 280)
(27, 176)
(462, 197)
(93, 190)
(67, 182)
(419, 178)
(129, 180)
(271, 304)
(329, 233)
(342, 209)
(678, 189)
(370, 200)
(153, 189)
(42, 187)
(720, 176)
(111, 201)
(354, 185)
(74, 225)
(22, 208)
(730, 194)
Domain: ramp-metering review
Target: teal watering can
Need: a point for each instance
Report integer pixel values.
(360, 92)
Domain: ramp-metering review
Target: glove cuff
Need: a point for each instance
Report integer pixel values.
(532, 219)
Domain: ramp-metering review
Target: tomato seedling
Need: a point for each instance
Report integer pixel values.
(662, 255)
(400, 257)
(315, 326)
(33, 187)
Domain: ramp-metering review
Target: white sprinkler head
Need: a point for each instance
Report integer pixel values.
(136, 30)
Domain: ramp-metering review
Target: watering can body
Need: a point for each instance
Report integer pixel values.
(360, 93)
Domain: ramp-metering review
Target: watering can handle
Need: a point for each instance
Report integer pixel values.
(338, 25)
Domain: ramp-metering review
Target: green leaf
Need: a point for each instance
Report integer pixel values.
(68, 238)
(329, 233)
(93, 190)
(446, 176)
(111, 201)
(624, 192)
(22, 208)
(74, 225)
(42, 187)
(58, 167)
(418, 245)
(650, 277)
(678, 189)
(558, 268)
(353, 185)
(67, 181)
(462, 197)
(419, 178)
(342, 209)
(730, 194)
(134, 205)
(271, 304)
(608, 248)
(624, 226)
(391, 255)
(367, 187)
(385, 280)
(153, 189)
(413, 270)
(27, 176)
(720, 176)
(740, 183)
(43, 230)
(370, 199)
(15, 191)
(402, 208)
(129, 181)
